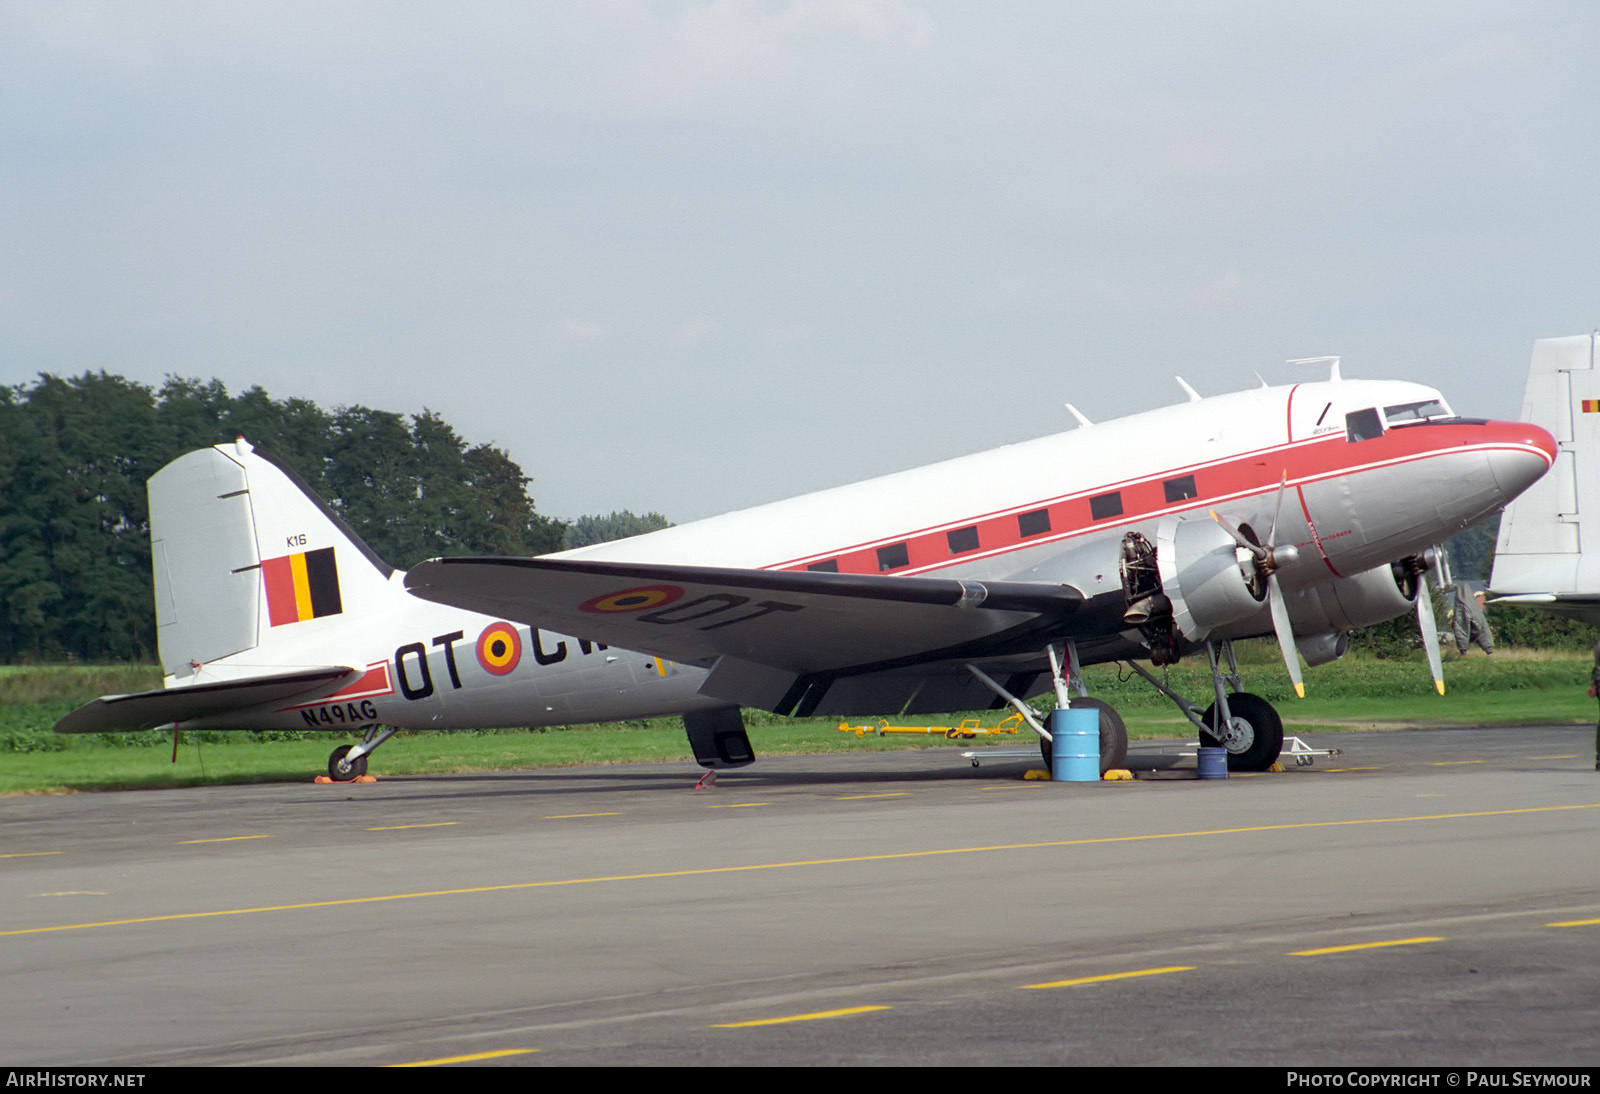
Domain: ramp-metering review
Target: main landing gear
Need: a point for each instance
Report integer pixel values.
(1070, 693)
(1246, 725)
(348, 763)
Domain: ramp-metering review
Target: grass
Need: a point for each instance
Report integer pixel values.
(1358, 692)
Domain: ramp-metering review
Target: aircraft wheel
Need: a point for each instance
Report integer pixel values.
(1113, 736)
(1255, 737)
(341, 770)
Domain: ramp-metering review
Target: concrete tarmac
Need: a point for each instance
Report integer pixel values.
(1426, 897)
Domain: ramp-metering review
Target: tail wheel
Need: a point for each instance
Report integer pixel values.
(343, 770)
(1113, 736)
(1254, 736)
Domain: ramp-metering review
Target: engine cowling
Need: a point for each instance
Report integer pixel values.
(1349, 603)
(1210, 580)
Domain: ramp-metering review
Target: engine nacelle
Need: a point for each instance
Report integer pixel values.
(1210, 580)
(1319, 649)
(1349, 603)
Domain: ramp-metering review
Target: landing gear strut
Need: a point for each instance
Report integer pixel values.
(1244, 724)
(1068, 679)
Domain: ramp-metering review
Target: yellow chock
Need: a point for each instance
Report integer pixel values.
(1037, 774)
(1118, 775)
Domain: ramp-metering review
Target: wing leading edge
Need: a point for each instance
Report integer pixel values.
(771, 637)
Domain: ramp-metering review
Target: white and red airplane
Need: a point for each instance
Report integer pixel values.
(1302, 511)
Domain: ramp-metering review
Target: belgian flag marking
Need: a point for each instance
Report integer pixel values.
(1591, 406)
(303, 586)
(499, 648)
(633, 600)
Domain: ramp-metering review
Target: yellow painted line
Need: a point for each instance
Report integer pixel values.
(77, 892)
(222, 839)
(28, 854)
(740, 805)
(1105, 977)
(398, 827)
(1331, 770)
(469, 1058)
(1576, 923)
(863, 797)
(1568, 756)
(1455, 763)
(812, 1017)
(705, 871)
(575, 816)
(1365, 946)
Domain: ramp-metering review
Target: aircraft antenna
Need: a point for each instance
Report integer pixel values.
(1076, 413)
(1331, 362)
(1194, 396)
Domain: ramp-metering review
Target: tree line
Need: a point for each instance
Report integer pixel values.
(76, 453)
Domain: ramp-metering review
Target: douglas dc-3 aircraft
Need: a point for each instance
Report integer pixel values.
(1301, 511)
(1548, 551)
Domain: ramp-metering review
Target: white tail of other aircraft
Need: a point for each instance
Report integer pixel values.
(1548, 550)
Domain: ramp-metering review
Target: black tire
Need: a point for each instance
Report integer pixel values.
(1258, 736)
(1113, 737)
(342, 771)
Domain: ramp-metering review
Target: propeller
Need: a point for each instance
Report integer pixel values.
(1267, 558)
(1417, 567)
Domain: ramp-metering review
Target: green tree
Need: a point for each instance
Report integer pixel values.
(586, 531)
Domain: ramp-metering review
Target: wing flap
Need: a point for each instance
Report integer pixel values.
(803, 623)
(148, 709)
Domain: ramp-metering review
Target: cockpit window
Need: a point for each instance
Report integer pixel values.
(1363, 425)
(1416, 412)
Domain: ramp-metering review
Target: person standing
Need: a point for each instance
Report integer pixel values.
(1471, 625)
(1594, 690)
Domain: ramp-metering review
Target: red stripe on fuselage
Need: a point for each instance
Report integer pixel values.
(1143, 498)
(374, 682)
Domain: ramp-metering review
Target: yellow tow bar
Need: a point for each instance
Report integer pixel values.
(968, 729)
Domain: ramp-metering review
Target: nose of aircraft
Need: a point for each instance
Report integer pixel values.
(1524, 454)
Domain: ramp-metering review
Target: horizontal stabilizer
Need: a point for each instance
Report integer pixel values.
(802, 622)
(148, 709)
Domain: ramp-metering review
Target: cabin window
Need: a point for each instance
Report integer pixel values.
(893, 557)
(1036, 523)
(1180, 489)
(1363, 425)
(962, 540)
(1106, 505)
(829, 567)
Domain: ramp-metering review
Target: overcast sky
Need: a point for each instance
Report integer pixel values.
(693, 256)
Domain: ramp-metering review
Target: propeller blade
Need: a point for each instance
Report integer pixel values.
(1430, 634)
(1272, 534)
(1285, 633)
(1255, 549)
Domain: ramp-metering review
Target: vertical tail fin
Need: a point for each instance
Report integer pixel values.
(246, 558)
(1549, 542)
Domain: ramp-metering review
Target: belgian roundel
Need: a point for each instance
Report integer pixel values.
(499, 648)
(633, 600)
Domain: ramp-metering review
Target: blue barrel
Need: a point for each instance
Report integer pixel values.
(1213, 762)
(1075, 745)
